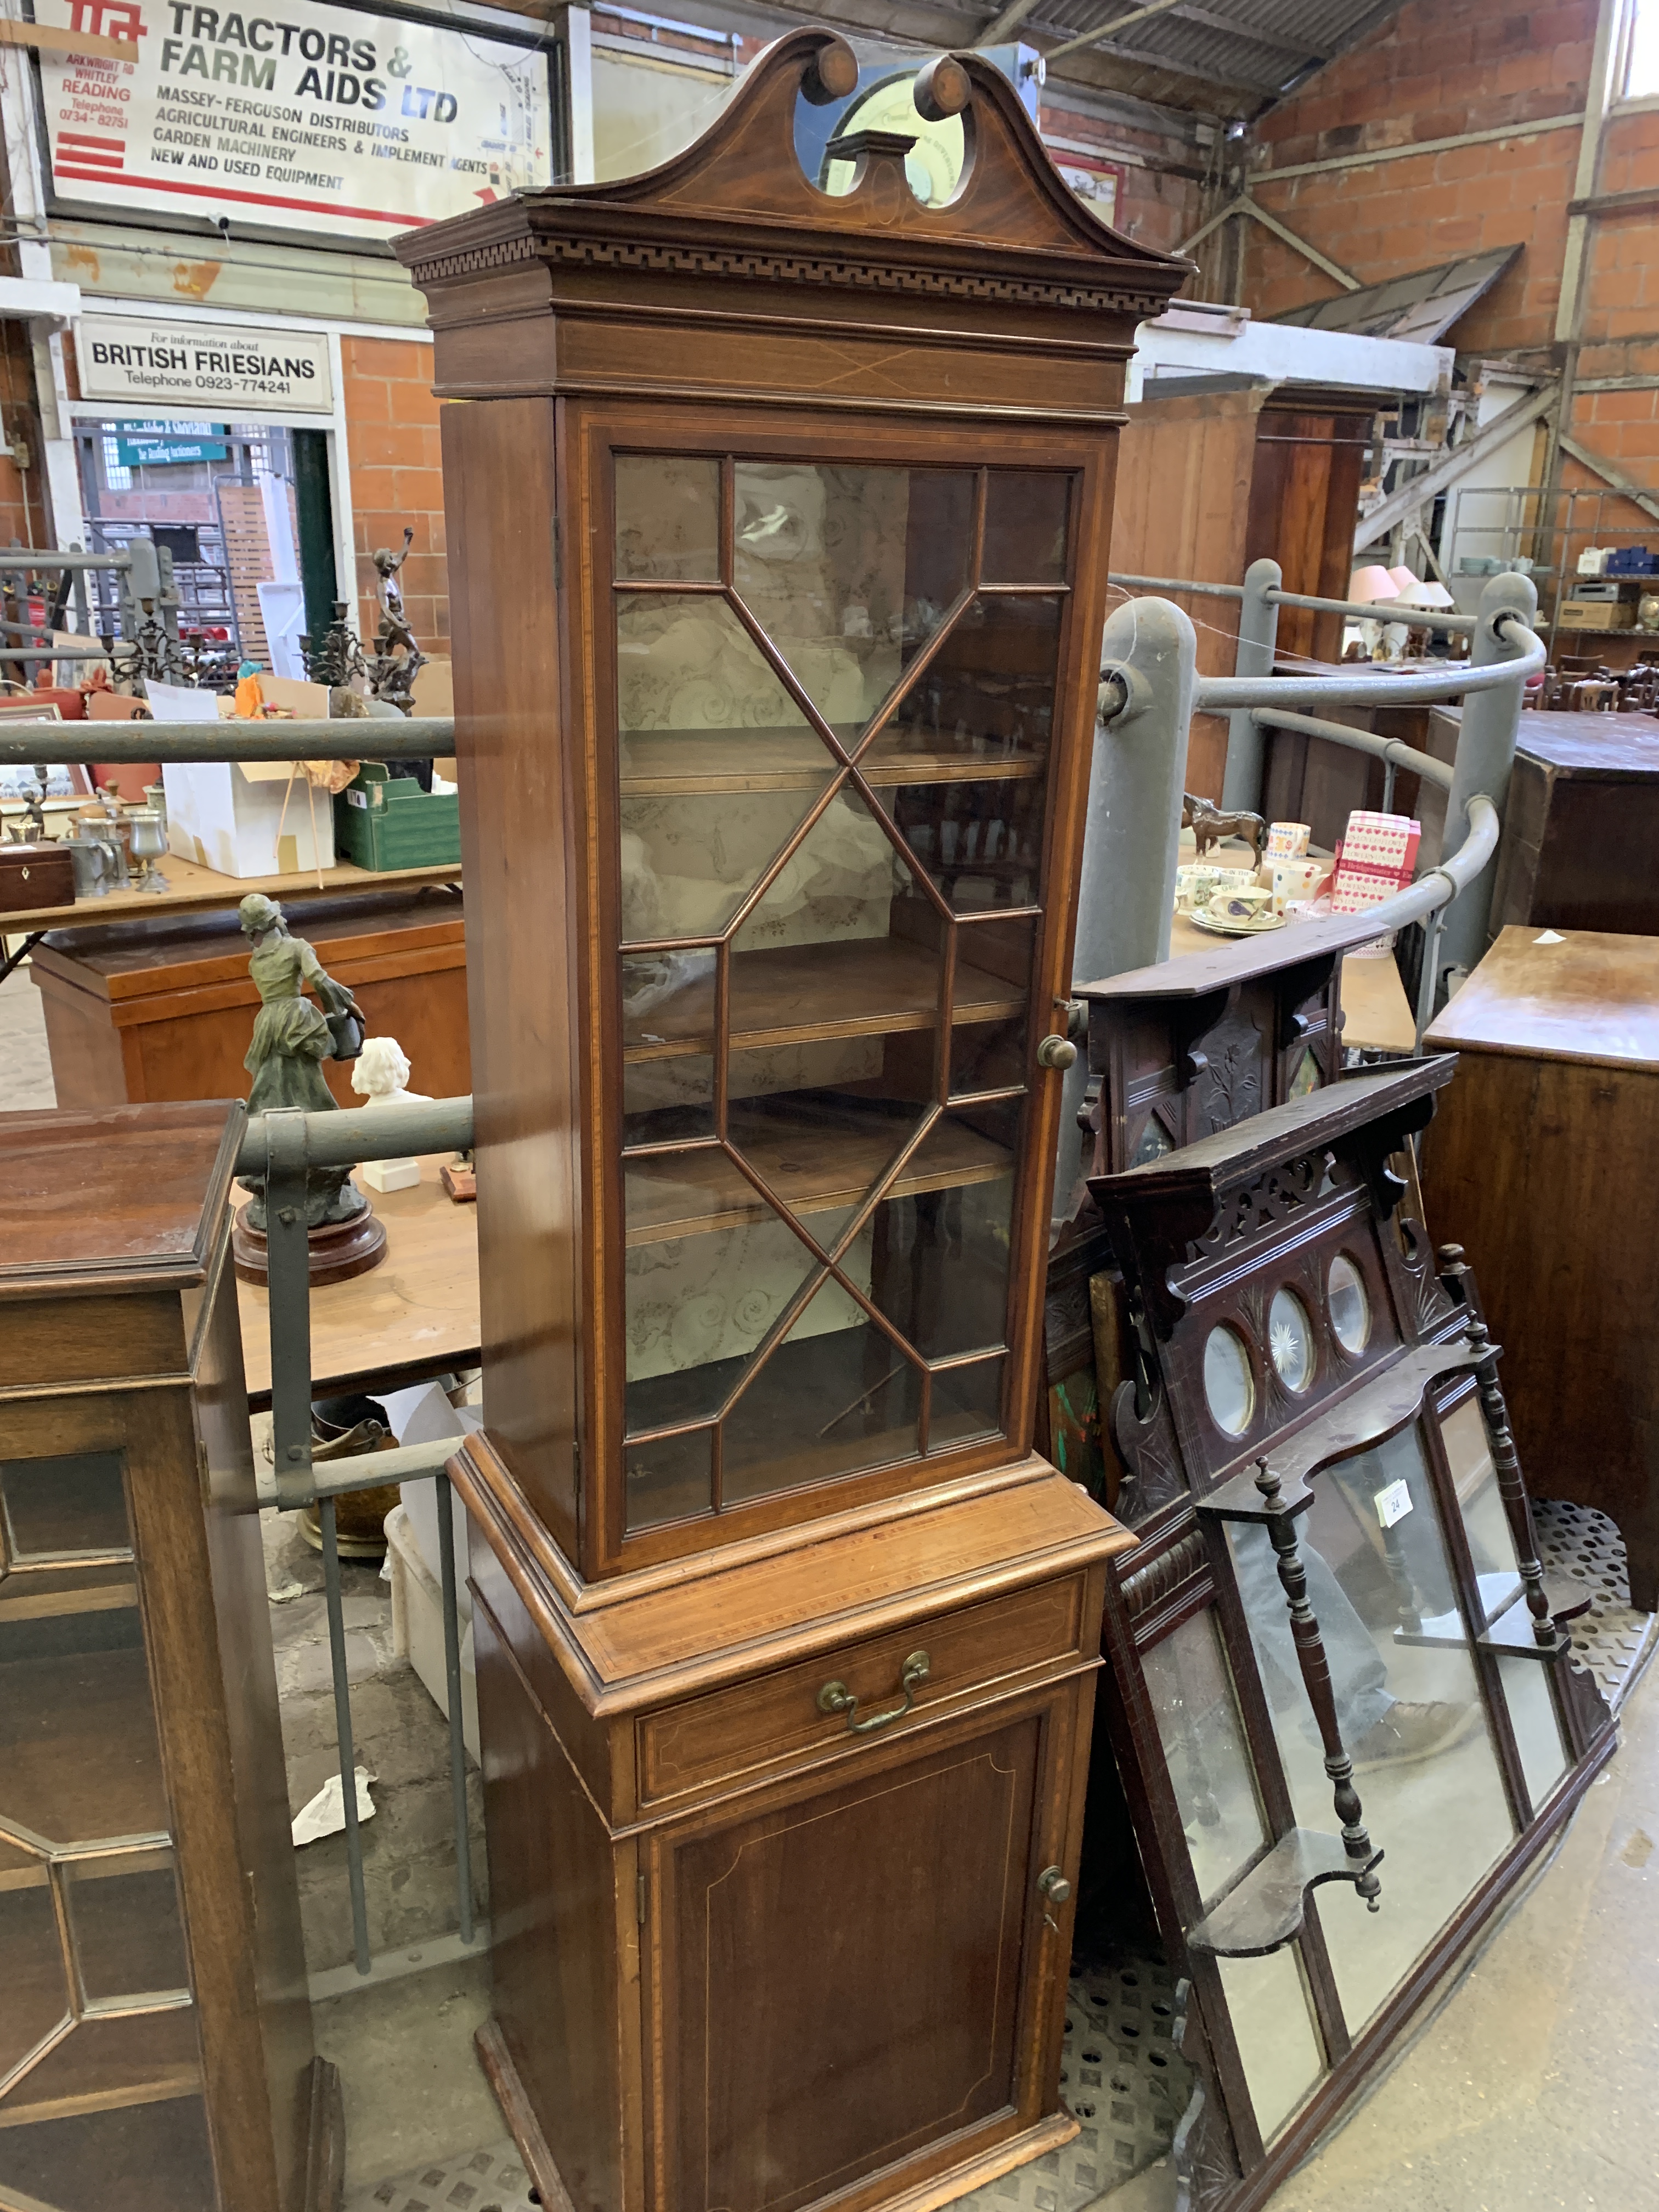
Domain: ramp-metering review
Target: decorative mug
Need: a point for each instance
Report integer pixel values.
(1245, 904)
(91, 860)
(1293, 881)
(1288, 841)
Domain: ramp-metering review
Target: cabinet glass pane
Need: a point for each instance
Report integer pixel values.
(1203, 1738)
(1278, 2043)
(1026, 512)
(668, 516)
(1408, 1701)
(1536, 1723)
(837, 1396)
(1463, 1432)
(986, 697)
(94, 2109)
(814, 961)
(849, 571)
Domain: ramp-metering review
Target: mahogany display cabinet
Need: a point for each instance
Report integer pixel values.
(778, 514)
(155, 2047)
(1340, 1714)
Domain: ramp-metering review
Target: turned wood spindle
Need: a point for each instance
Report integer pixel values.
(1316, 1674)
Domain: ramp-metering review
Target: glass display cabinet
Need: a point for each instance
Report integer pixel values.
(1338, 1691)
(778, 501)
(155, 2047)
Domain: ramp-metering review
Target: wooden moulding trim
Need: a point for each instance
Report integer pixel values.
(579, 1597)
(521, 2117)
(742, 320)
(169, 1003)
(523, 1549)
(736, 395)
(1401, 2009)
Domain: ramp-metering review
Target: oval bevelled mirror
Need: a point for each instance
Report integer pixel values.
(1228, 1385)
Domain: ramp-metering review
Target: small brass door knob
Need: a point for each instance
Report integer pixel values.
(1054, 1885)
(1056, 1052)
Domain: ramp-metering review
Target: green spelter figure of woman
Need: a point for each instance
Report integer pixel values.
(292, 1037)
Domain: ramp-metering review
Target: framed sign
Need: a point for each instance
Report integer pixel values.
(335, 121)
(128, 357)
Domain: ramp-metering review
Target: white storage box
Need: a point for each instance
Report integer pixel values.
(248, 817)
(417, 1623)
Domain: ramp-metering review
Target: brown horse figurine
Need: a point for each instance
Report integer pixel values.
(1209, 825)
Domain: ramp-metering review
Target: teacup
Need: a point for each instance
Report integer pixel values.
(1293, 881)
(1195, 885)
(1244, 905)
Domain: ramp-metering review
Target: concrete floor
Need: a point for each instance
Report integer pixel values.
(1529, 2088)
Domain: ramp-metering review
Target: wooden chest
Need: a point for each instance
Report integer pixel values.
(1582, 825)
(34, 876)
(140, 1010)
(1541, 1164)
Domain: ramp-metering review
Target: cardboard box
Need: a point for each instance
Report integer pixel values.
(243, 817)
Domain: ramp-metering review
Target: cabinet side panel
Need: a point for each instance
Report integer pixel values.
(499, 497)
(253, 1725)
(177, 1594)
(552, 1908)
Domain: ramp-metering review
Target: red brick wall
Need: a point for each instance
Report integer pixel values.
(1158, 205)
(396, 477)
(1436, 69)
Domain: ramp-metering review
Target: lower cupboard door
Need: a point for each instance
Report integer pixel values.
(839, 1975)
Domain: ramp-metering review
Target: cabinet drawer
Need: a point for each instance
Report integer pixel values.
(747, 1727)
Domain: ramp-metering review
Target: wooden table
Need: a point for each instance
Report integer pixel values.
(1541, 1164)
(192, 888)
(413, 1316)
(1376, 1013)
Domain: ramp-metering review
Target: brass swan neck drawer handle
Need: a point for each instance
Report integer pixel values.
(837, 1698)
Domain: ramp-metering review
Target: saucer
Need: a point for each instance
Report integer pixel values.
(1258, 927)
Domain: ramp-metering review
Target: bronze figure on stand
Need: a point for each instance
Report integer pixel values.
(292, 1037)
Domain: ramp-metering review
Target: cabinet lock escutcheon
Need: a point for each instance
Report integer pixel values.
(837, 1698)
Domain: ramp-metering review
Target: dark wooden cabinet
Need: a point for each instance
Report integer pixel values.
(156, 2046)
(778, 536)
(1581, 826)
(1558, 1045)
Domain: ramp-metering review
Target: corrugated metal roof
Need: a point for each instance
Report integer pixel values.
(1219, 57)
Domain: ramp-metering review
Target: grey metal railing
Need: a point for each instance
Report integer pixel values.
(281, 1146)
(1149, 690)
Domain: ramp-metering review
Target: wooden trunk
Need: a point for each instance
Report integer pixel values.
(1558, 1051)
(139, 1012)
(144, 1803)
(1582, 825)
(778, 536)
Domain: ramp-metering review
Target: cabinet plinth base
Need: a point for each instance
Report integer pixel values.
(944, 2188)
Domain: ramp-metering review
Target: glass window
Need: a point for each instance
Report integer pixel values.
(1408, 1704)
(1228, 1386)
(84, 1811)
(1191, 1688)
(1278, 2044)
(1485, 1524)
(824, 970)
(1290, 1340)
(1537, 1724)
(1350, 1310)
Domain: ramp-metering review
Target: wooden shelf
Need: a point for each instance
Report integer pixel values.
(109, 2065)
(672, 764)
(855, 986)
(49, 1594)
(815, 1167)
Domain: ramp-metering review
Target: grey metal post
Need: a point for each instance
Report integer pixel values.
(1126, 889)
(1485, 754)
(1258, 637)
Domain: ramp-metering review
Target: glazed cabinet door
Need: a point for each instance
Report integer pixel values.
(860, 1973)
(838, 699)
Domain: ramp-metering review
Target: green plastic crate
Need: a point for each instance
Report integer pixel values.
(387, 821)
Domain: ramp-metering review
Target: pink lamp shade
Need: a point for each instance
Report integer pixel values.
(1369, 585)
(1402, 579)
